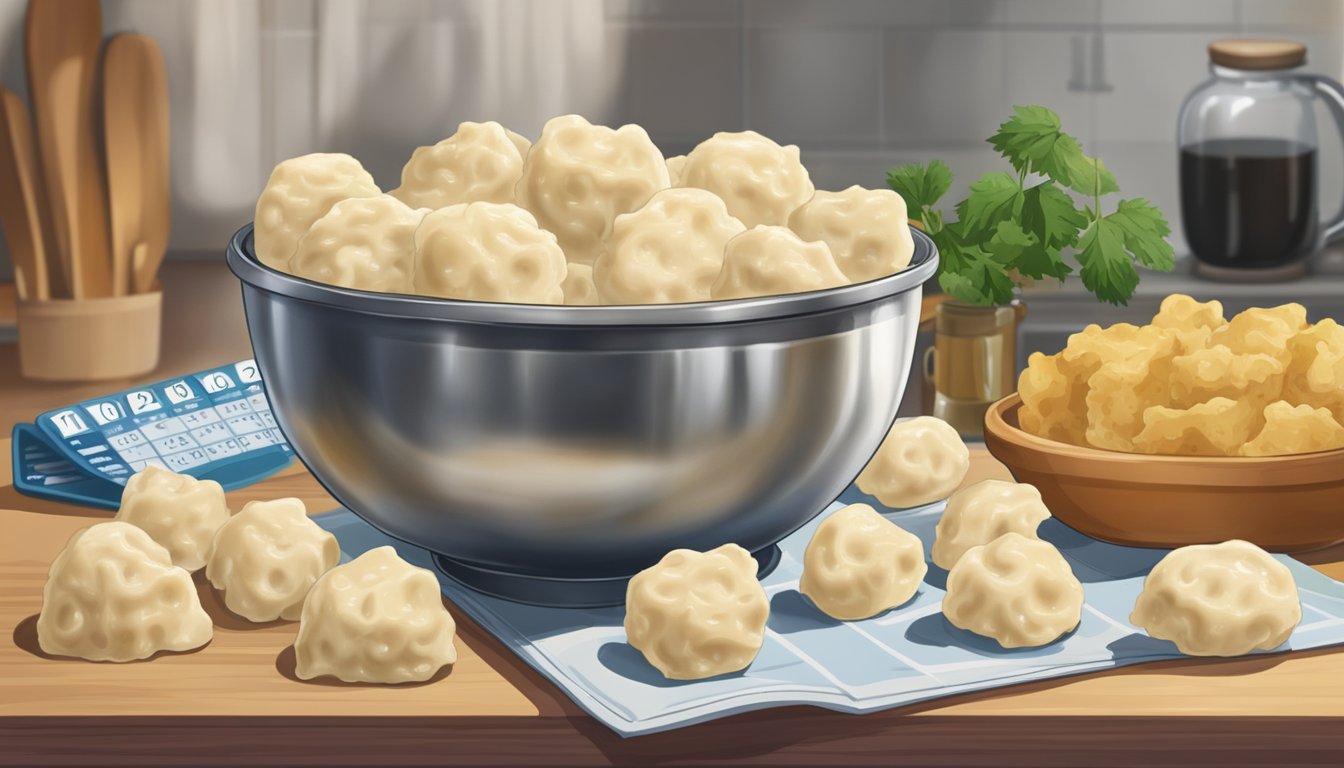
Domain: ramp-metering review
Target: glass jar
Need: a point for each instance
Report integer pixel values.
(1248, 162)
(973, 361)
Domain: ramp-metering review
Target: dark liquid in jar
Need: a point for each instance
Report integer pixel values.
(1249, 202)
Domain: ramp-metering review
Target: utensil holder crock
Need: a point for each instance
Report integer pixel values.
(90, 339)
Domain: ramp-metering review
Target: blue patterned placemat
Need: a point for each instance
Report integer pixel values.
(903, 656)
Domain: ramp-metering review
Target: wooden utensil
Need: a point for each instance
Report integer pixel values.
(61, 41)
(20, 204)
(135, 135)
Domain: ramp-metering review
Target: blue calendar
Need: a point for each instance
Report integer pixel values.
(216, 425)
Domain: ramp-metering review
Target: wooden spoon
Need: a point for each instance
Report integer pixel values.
(135, 135)
(61, 40)
(20, 203)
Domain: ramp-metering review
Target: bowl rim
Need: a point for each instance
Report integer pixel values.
(242, 260)
(1156, 469)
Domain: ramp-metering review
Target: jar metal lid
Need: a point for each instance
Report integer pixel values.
(1257, 54)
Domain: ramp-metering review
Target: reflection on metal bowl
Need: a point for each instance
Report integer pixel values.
(573, 446)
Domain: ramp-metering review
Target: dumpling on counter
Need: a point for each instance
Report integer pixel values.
(299, 192)
(921, 460)
(267, 557)
(671, 250)
(859, 564)
(481, 162)
(760, 181)
(697, 614)
(768, 261)
(365, 243)
(578, 177)
(868, 230)
(488, 252)
(981, 513)
(375, 619)
(1017, 591)
(1219, 600)
(113, 594)
(179, 512)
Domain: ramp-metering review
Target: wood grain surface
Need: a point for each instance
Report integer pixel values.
(236, 700)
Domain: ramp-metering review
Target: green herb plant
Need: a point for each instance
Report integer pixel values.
(1006, 230)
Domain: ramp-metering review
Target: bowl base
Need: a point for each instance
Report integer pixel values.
(555, 592)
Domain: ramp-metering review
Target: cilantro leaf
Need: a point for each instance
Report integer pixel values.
(1107, 270)
(920, 185)
(995, 197)
(1028, 136)
(1032, 140)
(1048, 214)
(971, 274)
(1145, 233)
(1017, 249)
(1083, 172)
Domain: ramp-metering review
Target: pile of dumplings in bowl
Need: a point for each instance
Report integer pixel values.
(696, 615)
(586, 215)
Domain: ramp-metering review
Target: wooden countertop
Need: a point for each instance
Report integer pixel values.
(238, 701)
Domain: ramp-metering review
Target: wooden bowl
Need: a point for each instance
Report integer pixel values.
(1282, 503)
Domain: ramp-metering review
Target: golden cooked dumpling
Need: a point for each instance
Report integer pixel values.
(1219, 600)
(298, 193)
(868, 230)
(697, 614)
(579, 177)
(859, 564)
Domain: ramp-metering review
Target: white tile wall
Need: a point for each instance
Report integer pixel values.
(861, 85)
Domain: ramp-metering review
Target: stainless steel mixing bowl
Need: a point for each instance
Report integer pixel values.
(548, 453)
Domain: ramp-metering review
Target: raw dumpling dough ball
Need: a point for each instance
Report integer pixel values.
(579, 177)
(760, 181)
(669, 251)
(921, 460)
(480, 163)
(376, 619)
(859, 564)
(366, 243)
(298, 193)
(983, 512)
(768, 261)
(266, 558)
(867, 230)
(674, 167)
(179, 512)
(114, 595)
(697, 614)
(578, 286)
(488, 252)
(1015, 590)
(1219, 600)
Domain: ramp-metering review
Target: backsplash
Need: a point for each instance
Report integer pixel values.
(860, 85)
